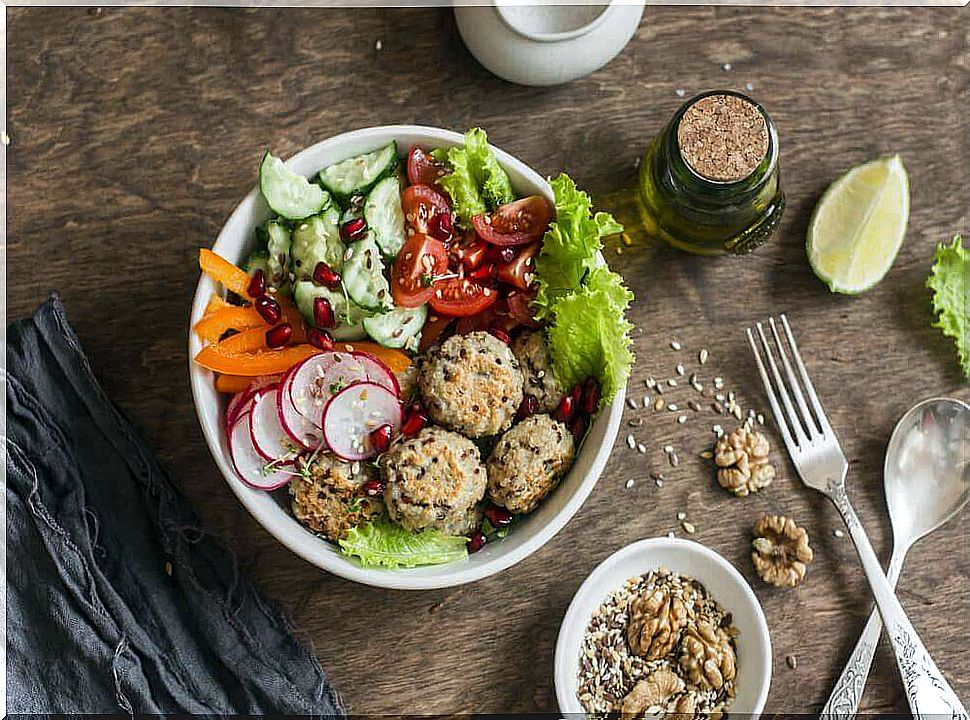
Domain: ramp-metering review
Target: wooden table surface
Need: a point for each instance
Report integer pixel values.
(134, 132)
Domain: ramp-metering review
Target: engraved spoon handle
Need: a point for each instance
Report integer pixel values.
(927, 690)
(846, 696)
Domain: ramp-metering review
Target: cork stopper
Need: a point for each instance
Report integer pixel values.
(723, 138)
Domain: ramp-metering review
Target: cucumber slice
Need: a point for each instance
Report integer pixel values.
(354, 209)
(317, 239)
(350, 317)
(357, 175)
(363, 275)
(275, 237)
(384, 215)
(290, 195)
(399, 328)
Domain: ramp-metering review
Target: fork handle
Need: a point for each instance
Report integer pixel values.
(846, 696)
(927, 690)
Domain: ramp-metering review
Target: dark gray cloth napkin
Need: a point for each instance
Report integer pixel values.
(117, 599)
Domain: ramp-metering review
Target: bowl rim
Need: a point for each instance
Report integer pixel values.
(591, 586)
(292, 535)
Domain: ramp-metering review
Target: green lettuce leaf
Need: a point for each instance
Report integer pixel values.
(477, 182)
(590, 335)
(569, 247)
(383, 543)
(950, 282)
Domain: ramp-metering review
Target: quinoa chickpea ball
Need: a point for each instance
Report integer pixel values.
(331, 500)
(433, 480)
(471, 384)
(539, 379)
(527, 463)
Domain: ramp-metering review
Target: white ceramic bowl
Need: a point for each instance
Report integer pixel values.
(686, 557)
(546, 43)
(532, 532)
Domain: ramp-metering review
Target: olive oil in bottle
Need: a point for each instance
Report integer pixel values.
(709, 183)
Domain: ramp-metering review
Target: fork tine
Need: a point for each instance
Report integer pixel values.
(794, 424)
(808, 421)
(772, 399)
(823, 421)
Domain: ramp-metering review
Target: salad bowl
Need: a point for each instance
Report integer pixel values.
(234, 242)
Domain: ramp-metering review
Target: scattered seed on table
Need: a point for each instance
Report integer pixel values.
(761, 419)
(682, 419)
(632, 403)
(629, 483)
(668, 449)
(792, 662)
(718, 430)
(659, 389)
(692, 404)
(718, 382)
(674, 460)
(672, 382)
(680, 370)
(706, 454)
(702, 356)
(838, 533)
(688, 527)
(650, 383)
(659, 404)
(646, 401)
(671, 535)
(719, 397)
(631, 443)
(675, 345)
(641, 448)
(636, 422)
(681, 516)
(673, 407)
(659, 482)
(657, 475)
(737, 412)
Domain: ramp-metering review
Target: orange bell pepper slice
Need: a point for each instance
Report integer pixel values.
(223, 271)
(396, 361)
(212, 327)
(251, 364)
(216, 303)
(246, 341)
(232, 384)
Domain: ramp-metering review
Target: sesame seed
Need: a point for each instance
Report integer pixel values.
(659, 482)
(646, 401)
(168, 568)
(761, 419)
(692, 404)
(671, 535)
(706, 454)
(682, 419)
(792, 662)
(668, 448)
(838, 534)
(749, 87)
(629, 483)
(681, 516)
(635, 422)
(680, 370)
(675, 345)
(641, 448)
(650, 383)
(673, 407)
(631, 442)
(672, 382)
(702, 356)
(632, 403)
(674, 460)
(726, 67)
(688, 528)
(718, 430)
(680, 92)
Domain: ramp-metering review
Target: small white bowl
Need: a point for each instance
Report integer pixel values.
(529, 534)
(544, 43)
(723, 582)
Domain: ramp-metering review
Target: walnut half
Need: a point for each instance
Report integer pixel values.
(652, 693)
(781, 551)
(655, 623)
(707, 656)
(742, 462)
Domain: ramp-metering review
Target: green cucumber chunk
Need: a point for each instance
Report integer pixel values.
(289, 195)
(357, 175)
(257, 260)
(363, 275)
(384, 215)
(317, 239)
(275, 237)
(349, 316)
(399, 328)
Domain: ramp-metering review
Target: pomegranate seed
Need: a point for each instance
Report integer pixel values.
(320, 339)
(500, 332)
(498, 516)
(578, 428)
(268, 309)
(483, 272)
(576, 393)
(381, 438)
(257, 285)
(591, 396)
(528, 407)
(476, 542)
(323, 315)
(566, 409)
(325, 275)
(441, 227)
(353, 229)
(414, 422)
(278, 336)
(374, 487)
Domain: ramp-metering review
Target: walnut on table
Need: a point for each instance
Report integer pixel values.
(707, 657)
(781, 551)
(655, 623)
(742, 462)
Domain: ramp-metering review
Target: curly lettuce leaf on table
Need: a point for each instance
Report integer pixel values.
(950, 282)
(585, 301)
(381, 543)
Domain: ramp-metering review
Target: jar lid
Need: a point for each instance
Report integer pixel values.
(723, 138)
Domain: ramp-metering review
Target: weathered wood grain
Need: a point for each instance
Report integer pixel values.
(135, 131)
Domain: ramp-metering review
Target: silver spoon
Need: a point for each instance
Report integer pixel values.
(927, 479)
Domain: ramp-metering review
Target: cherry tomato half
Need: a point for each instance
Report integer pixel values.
(497, 314)
(460, 297)
(515, 223)
(470, 252)
(420, 203)
(520, 307)
(521, 271)
(432, 330)
(418, 261)
(423, 169)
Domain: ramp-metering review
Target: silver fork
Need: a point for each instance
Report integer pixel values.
(820, 462)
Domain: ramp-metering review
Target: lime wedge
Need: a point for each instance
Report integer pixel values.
(859, 225)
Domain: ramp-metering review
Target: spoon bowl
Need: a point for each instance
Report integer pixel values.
(927, 470)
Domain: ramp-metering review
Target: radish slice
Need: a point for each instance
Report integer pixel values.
(320, 377)
(301, 430)
(269, 438)
(378, 372)
(241, 401)
(249, 465)
(354, 413)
